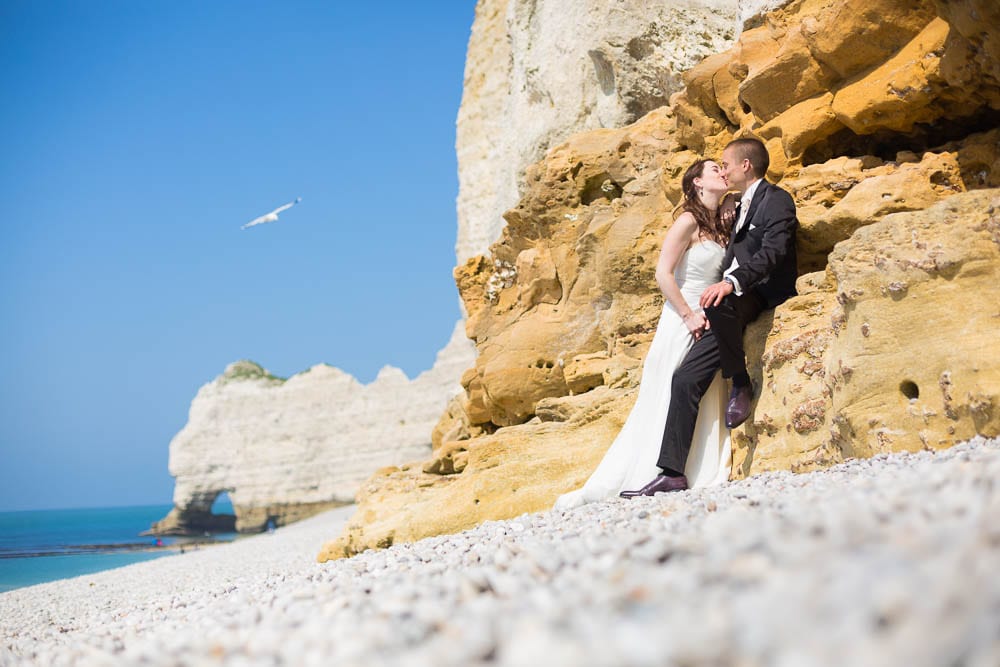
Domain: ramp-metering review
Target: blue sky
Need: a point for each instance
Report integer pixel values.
(137, 137)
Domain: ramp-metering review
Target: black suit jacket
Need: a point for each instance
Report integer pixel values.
(765, 246)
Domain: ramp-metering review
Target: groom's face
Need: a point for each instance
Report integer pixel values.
(736, 169)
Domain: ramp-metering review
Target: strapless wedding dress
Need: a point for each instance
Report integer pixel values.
(630, 462)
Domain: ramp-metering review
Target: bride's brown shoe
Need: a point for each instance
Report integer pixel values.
(660, 484)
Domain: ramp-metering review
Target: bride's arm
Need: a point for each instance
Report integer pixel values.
(674, 246)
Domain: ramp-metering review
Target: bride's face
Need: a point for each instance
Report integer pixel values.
(712, 179)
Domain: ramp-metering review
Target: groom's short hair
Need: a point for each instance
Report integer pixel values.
(750, 148)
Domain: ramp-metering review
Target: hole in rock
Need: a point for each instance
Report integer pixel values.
(223, 505)
(639, 48)
(885, 144)
(220, 516)
(909, 389)
(601, 186)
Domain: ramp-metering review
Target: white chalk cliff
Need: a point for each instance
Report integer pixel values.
(285, 449)
(538, 71)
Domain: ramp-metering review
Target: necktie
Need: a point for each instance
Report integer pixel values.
(740, 217)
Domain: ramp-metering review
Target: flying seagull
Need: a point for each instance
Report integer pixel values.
(272, 216)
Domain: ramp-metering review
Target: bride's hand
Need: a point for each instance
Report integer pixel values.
(696, 324)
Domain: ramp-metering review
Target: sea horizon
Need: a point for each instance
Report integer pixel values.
(39, 546)
(82, 507)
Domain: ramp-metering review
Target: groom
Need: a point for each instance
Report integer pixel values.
(759, 272)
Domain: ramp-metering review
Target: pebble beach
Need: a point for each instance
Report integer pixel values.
(885, 561)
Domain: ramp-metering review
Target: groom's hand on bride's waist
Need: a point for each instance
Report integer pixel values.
(714, 294)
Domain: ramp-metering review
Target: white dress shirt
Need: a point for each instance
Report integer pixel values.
(740, 220)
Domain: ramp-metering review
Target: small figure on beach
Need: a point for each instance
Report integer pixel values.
(715, 281)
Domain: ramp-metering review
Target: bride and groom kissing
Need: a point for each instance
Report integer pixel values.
(716, 275)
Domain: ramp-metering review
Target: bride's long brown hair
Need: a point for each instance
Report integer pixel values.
(709, 222)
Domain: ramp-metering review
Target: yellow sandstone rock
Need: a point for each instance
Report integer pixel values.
(566, 277)
(900, 92)
(893, 349)
(978, 23)
(787, 74)
(850, 36)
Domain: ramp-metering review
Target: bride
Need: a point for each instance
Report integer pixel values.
(690, 261)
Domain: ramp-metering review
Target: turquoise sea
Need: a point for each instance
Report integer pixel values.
(44, 545)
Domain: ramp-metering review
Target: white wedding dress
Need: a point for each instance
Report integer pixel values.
(630, 462)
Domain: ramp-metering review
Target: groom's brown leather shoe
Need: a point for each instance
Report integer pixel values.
(739, 405)
(660, 484)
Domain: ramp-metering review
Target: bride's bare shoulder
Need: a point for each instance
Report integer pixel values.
(685, 227)
(685, 220)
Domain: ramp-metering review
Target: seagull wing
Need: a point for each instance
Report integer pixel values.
(259, 221)
(285, 207)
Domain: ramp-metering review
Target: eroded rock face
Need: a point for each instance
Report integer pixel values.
(891, 239)
(286, 449)
(891, 349)
(538, 72)
(565, 279)
(838, 197)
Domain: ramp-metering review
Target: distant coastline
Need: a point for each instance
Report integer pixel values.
(38, 546)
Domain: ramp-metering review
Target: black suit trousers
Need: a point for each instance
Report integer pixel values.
(720, 347)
